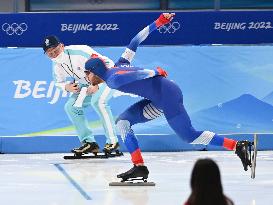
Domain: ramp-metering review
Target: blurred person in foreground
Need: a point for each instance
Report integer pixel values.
(206, 185)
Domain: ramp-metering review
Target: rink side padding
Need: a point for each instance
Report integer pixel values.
(151, 143)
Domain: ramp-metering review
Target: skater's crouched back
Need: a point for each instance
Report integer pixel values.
(206, 184)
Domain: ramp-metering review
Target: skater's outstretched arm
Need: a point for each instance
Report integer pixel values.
(128, 54)
(118, 77)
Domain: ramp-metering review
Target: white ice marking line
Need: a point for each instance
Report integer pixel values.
(72, 181)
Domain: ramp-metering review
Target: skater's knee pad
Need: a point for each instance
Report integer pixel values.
(124, 128)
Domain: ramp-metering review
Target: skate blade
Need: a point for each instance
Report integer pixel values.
(131, 184)
(114, 154)
(97, 156)
(254, 156)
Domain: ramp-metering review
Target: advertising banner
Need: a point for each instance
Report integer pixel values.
(117, 28)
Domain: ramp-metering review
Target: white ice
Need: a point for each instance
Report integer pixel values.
(47, 179)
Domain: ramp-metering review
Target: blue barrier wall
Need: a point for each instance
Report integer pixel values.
(155, 143)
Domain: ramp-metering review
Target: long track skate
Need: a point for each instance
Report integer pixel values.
(140, 181)
(136, 176)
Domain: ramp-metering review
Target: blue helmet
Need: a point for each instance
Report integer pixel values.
(96, 66)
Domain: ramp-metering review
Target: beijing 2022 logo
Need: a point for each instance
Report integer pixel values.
(14, 28)
(171, 27)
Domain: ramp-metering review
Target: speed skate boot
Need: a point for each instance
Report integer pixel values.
(87, 147)
(242, 150)
(109, 148)
(134, 173)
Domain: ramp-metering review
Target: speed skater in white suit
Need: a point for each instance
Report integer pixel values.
(69, 62)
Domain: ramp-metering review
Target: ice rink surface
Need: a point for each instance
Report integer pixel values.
(48, 179)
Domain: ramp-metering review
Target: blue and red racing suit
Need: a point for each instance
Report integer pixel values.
(161, 96)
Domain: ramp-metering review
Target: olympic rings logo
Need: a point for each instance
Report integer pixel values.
(171, 27)
(14, 28)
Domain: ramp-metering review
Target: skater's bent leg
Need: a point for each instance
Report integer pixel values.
(180, 122)
(140, 112)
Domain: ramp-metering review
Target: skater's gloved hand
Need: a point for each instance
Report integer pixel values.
(72, 87)
(164, 19)
(162, 72)
(92, 89)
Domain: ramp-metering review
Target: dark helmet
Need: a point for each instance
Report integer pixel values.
(96, 66)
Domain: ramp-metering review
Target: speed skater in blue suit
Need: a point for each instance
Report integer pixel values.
(161, 97)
